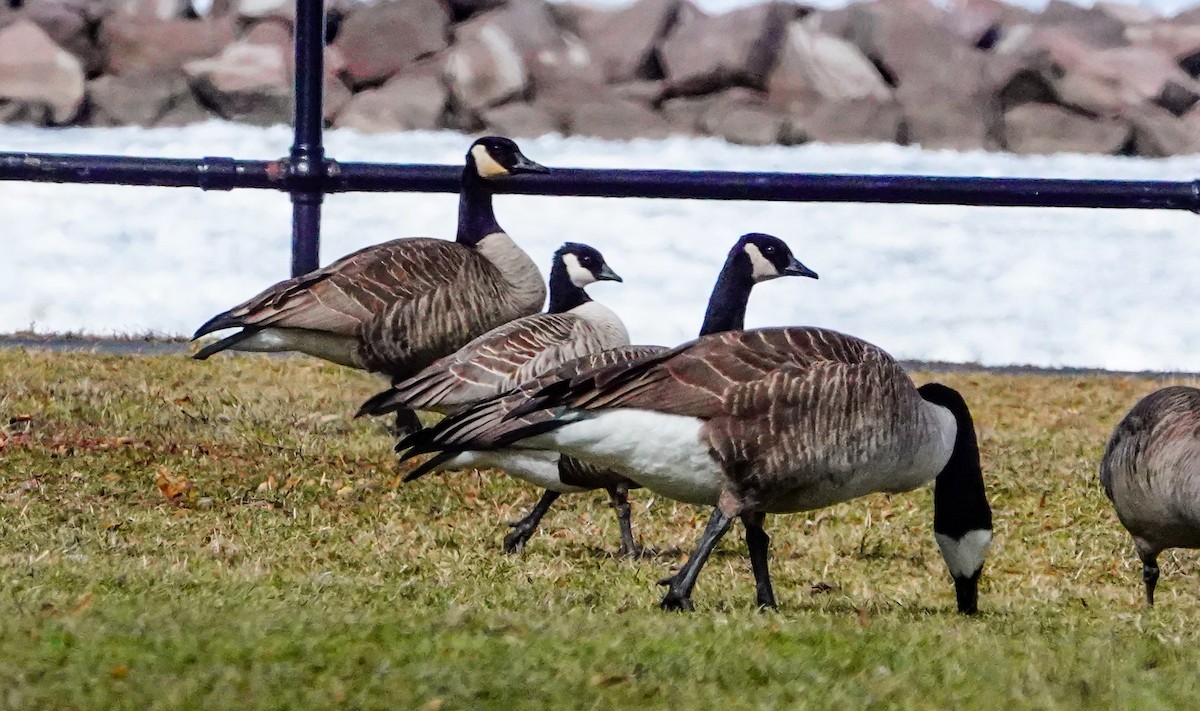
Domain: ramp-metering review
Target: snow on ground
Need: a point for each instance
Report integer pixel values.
(1092, 288)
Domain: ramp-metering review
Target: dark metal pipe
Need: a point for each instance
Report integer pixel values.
(307, 169)
(226, 173)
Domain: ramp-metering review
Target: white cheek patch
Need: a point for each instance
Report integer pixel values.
(762, 267)
(580, 277)
(485, 164)
(964, 555)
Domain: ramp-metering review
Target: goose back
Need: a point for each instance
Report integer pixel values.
(795, 418)
(1151, 470)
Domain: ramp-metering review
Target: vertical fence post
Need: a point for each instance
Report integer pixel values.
(308, 152)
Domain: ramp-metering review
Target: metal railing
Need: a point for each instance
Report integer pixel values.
(307, 175)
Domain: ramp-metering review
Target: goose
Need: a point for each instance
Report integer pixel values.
(1151, 473)
(761, 421)
(754, 258)
(504, 357)
(395, 307)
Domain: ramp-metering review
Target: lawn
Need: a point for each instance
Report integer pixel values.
(176, 534)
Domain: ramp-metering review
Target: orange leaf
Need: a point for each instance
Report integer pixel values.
(177, 489)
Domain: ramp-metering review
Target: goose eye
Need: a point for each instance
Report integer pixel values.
(769, 249)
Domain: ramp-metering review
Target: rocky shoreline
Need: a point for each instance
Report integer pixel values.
(1112, 79)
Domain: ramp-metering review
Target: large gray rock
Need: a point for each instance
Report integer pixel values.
(981, 23)
(624, 42)
(486, 70)
(1110, 81)
(246, 82)
(815, 68)
(704, 53)
(379, 40)
(1157, 133)
(743, 116)
(67, 22)
(592, 109)
(861, 120)
(942, 83)
(39, 81)
(138, 44)
(1179, 41)
(520, 121)
(1091, 24)
(148, 99)
(1045, 128)
(412, 100)
(551, 54)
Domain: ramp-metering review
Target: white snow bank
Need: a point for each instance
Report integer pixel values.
(1112, 289)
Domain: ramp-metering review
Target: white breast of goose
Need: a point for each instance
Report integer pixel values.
(517, 268)
(609, 327)
(916, 453)
(659, 451)
(537, 467)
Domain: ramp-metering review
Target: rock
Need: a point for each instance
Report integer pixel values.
(246, 82)
(1128, 14)
(981, 23)
(254, 10)
(273, 32)
(414, 100)
(381, 39)
(150, 9)
(486, 70)
(40, 81)
(1178, 41)
(1091, 24)
(520, 121)
(815, 68)
(1157, 133)
(623, 42)
(647, 92)
(140, 44)
(464, 9)
(742, 116)
(68, 24)
(551, 54)
(684, 114)
(942, 83)
(861, 120)
(1107, 82)
(704, 53)
(140, 99)
(1045, 128)
(592, 109)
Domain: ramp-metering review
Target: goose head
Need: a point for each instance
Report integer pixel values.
(962, 518)
(497, 157)
(575, 266)
(768, 257)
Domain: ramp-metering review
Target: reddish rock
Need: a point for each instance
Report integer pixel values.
(1128, 14)
(742, 116)
(255, 10)
(486, 70)
(815, 68)
(1179, 41)
(413, 100)
(861, 120)
(273, 32)
(551, 54)
(143, 100)
(592, 109)
(1112, 80)
(982, 23)
(647, 92)
(704, 53)
(1045, 128)
(1157, 133)
(623, 42)
(41, 81)
(140, 44)
(68, 23)
(381, 39)
(520, 121)
(685, 113)
(246, 82)
(1090, 24)
(152, 9)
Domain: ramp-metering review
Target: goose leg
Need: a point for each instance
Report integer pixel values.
(620, 501)
(758, 544)
(1149, 572)
(524, 528)
(679, 585)
(407, 422)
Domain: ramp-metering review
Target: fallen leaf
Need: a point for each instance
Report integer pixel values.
(431, 705)
(119, 672)
(177, 489)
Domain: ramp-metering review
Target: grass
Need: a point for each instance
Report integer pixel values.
(292, 569)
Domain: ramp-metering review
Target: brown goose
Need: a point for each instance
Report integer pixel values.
(506, 356)
(1151, 473)
(395, 307)
(753, 258)
(763, 421)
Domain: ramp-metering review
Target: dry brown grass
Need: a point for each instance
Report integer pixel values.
(292, 568)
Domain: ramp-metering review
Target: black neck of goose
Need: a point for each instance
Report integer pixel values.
(962, 517)
(475, 217)
(564, 294)
(727, 305)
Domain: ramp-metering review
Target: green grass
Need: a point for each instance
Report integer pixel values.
(294, 569)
